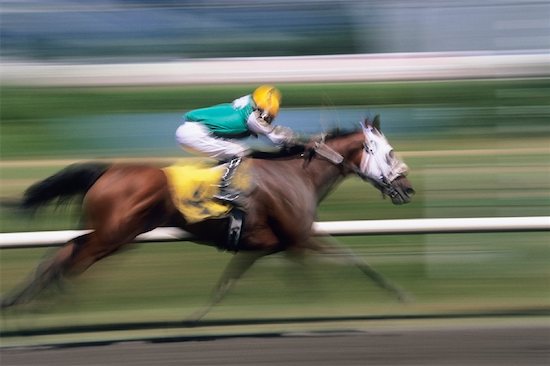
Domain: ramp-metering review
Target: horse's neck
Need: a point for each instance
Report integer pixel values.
(324, 175)
(318, 175)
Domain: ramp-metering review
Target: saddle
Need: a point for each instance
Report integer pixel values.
(194, 184)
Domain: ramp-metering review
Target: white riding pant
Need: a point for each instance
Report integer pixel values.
(196, 138)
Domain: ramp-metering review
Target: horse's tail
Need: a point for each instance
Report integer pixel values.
(71, 181)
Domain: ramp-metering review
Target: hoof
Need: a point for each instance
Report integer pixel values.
(405, 298)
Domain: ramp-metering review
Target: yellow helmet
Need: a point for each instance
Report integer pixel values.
(268, 99)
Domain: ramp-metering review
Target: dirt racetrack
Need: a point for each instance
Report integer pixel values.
(460, 346)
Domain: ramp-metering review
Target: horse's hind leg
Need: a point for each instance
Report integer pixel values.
(50, 271)
(71, 260)
(123, 204)
(115, 227)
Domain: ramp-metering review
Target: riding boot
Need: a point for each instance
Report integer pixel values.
(227, 193)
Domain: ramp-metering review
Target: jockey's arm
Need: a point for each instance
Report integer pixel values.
(279, 135)
(282, 136)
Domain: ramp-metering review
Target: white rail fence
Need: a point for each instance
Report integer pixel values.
(336, 228)
(334, 68)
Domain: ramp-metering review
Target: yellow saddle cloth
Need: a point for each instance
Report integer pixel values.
(193, 185)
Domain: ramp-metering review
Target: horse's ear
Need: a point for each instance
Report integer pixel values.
(376, 122)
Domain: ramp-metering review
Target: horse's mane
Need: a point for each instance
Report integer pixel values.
(340, 132)
(287, 152)
(292, 151)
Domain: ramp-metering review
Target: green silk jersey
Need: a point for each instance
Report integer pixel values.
(227, 119)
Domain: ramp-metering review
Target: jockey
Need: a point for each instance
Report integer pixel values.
(218, 131)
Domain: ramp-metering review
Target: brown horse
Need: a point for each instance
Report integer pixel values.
(122, 201)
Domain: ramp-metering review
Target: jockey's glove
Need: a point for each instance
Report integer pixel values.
(281, 134)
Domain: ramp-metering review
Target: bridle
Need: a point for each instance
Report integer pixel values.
(321, 149)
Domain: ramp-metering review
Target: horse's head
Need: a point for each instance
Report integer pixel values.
(368, 154)
(379, 165)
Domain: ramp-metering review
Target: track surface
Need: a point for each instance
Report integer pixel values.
(442, 347)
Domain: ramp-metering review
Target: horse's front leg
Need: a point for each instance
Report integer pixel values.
(329, 245)
(237, 266)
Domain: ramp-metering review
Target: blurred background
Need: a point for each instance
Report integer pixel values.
(463, 89)
(166, 29)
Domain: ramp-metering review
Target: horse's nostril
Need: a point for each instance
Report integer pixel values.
(410, 192)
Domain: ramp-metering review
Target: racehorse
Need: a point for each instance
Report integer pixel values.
(122, 201)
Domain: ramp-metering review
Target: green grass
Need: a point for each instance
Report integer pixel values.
(25, 103)
(446, 273)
